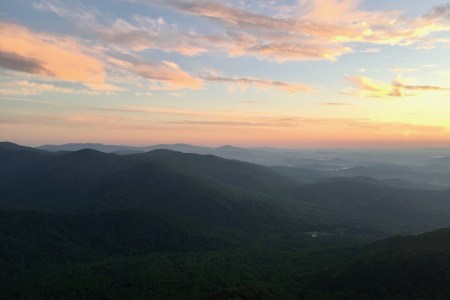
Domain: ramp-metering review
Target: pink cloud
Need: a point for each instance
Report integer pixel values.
(47, 55)
(328, 23)
(324, 30)
(162, 76)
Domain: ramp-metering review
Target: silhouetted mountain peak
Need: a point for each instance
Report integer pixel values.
(8, 146)
(87, 151)
(164, 151)
(229, 148)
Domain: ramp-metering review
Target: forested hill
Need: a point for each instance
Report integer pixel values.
(400, 267)
(170, 225)
(210, 189)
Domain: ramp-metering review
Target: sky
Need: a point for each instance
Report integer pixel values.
(305, 73)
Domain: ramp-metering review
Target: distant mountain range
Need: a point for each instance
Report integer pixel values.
(215, 190)
(420, 168)
(122, 149)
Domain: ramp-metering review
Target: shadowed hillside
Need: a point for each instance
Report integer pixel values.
(172, 225)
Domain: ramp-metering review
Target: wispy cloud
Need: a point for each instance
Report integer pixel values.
(67, 59)
(250, 34)
(249, 39)
(367, 87)
(401, 85)
(401, 70)
(244, 82)
(15, 88)
(161, 76)
(439, 12)
(370, 50)
(54, 56)
(323, 32)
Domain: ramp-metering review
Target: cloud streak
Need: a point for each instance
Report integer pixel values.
(367, 87)
(24, 87)
(161, 76)
(244, 82)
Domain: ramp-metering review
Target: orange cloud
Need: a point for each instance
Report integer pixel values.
(327, 25)
(331, 11)
(162, 76)
(144, 33)
(367, 87)
(370, 88)
(47, 55)
(324, 30)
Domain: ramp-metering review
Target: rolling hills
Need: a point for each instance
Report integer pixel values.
(170, 225)
(213, 190)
